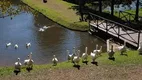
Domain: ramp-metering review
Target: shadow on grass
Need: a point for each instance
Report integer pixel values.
(29, 69)
(16, 72)
(86, 62)
(77, 66)
(113, 58)
(95, 63)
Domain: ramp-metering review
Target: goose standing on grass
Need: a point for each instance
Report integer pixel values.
(17, 66)
(99, 51)
(111, 52)
(30, 62)
(28, 45)
(96, 50)
(70, 56)
(8, 44)
(85, 55)
(16, 46)
(140, 48)
(26, 60)
(93, 56)
(54, 60)
(76, 58)
(122, 48)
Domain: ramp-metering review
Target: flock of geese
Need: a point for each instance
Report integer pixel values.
(75, 57)
(16, 45)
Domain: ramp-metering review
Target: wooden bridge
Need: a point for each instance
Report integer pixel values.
(115, 29)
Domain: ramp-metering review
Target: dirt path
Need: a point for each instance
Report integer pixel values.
(89, 72)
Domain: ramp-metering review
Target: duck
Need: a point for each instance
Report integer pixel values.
(28, 45)
(17, 66)
(16, 46)
(111, 52)
(85, 55)
(140, 48)
(8, 44)
(122, 48)
(54, 60)
(76, 58)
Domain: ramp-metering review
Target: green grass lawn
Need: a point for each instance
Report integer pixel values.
(60, 12)
(133, 58)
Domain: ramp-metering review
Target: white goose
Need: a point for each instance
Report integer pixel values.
(16, 46)
(85, 55)
(111, 52)
(76, 58)
(54, 60)
(94, 56)
(96, 50)
(140, 48)
(30, 62)
(122, 48)
(70, 56)
(45, 27)
(41, 30)
(99, 51)
(18, 65)
(26, 60)
(8, 44)
(28, 45)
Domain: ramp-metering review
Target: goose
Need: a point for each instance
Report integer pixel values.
(54, 60)
(96, 50)
(122, 48)
(111, 52)
(17, 66)
(85, 55)
(16, 46)
(70, 56)
(28, 45)
(26, 61)
(30, 62)
(41, 29)
(99, 51)
(45, 27)
(94, 56)
(8, 44)
(140, 48)
(76, 58)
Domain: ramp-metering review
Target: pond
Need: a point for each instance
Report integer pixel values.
(24, 28)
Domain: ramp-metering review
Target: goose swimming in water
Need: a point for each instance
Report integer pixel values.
(8, 44)
(16, 46)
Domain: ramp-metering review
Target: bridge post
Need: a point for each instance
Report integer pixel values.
(112, 7)
(137, 11)
(139, 38)
(100, 6)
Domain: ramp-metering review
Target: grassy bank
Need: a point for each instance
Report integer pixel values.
(120, 61)
(60, 12)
